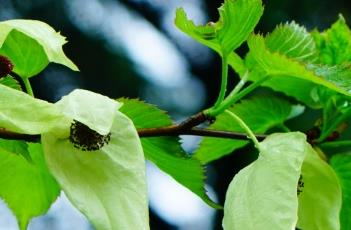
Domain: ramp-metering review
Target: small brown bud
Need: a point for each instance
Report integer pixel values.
(6, 66)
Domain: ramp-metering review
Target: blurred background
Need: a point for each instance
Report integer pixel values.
(131, 48)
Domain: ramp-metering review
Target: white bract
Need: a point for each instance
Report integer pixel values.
(264, 194)
(108, 185)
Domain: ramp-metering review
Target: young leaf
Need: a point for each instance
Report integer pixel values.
(342, 166)
(19, 48)
(47, 37)
(166, 152)
(262, 113)
(293, 41)
(263, 195)
(27, 188)
(237, 20)
(320, 196)
(334, 44)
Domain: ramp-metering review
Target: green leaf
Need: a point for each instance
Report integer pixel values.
(166, 152)
(342, 166)
(11, 82)
(46, 36)
(260, 113)
(263, 194)
(16, 147)
(336, 110)
(107, 185)
(27, 188)
(293, 41)
(334, 44)
(287, 74)
(22, 113)
(237, 20)
(320, 197)
(25, 53)
(339, 75)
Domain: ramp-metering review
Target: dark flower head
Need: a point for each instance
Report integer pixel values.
(6, 66)
(86, 139)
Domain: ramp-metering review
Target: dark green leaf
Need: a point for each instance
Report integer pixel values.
(342, 166)
(166, 152)
(260, 113)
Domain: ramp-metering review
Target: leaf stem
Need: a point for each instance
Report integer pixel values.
(334, 126)
(335, 144)
(224, 81)
(232, 98)
(243, 125)
(28, 86)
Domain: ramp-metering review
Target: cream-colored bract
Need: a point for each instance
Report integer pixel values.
(48, 38)
(264, 194)
(107, 185)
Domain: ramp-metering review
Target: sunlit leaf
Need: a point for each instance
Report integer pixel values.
(166, 152)
(287, 75)
(342, 166)
(261, 113)
(237, 20)
(27, 187)
(293, 41)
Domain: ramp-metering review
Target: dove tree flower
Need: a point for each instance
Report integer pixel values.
(288, 186)
(91, 149)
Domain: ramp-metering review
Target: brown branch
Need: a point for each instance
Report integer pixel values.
(174, 131)
(186, 127)
(9, 135)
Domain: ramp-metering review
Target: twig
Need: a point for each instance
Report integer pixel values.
(9, 135)
(186, 127)
(172, 131)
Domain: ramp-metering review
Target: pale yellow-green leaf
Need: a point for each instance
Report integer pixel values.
(22, 113)
(320, 197)
(107, 185)
(94, 110)
(264, 194)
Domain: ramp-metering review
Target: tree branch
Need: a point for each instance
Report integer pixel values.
(9, 135)
(173, 131)
(186, 127)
